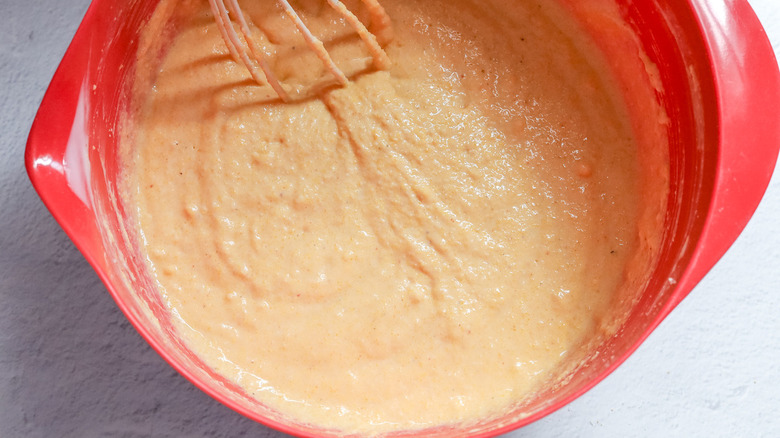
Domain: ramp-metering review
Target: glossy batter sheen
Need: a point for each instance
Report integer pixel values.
(423, 246)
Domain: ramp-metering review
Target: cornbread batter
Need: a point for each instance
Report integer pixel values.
(424, 246)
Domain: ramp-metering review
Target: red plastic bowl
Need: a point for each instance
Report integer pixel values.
(721, 90)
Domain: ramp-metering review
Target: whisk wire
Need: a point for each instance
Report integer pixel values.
(381, 60)
(235, 9)
(232, 39)
(314, 43)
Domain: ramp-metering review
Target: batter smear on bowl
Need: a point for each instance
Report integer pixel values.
(426, 245)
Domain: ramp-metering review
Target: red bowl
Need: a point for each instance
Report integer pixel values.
(720, 88)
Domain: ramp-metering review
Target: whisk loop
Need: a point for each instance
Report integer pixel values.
(249, 53)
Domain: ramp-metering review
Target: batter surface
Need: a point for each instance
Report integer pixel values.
(424, 246)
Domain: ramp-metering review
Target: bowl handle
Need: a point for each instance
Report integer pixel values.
(747, 84)
(57, 148)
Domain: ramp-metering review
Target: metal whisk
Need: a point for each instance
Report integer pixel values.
(251, 55)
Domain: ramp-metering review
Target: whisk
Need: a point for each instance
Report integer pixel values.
(249, 53)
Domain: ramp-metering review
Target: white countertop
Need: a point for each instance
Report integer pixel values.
(72, 366)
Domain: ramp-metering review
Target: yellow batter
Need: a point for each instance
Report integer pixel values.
(424, 246)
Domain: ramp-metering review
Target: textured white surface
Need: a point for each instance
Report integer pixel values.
(71, 365)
